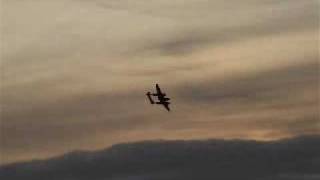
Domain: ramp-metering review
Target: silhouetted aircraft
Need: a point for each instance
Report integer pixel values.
(161, 97)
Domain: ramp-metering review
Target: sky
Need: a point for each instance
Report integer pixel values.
(74, 73)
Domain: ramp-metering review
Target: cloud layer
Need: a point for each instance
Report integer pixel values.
(75, 73)
(288, 159)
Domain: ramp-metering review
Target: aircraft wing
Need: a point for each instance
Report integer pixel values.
(166, 105)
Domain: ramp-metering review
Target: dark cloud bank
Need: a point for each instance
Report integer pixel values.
(289, 159)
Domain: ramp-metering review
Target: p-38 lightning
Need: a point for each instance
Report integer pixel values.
(162, 99)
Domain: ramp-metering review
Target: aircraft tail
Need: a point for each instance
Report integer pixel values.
(149, 97)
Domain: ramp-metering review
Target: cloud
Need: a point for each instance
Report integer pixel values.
(201, 24)
(162, 160)
(75, 72)
(259, 98)
(264, 85)
(189, 40)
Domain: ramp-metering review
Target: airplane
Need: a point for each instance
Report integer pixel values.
(161, 97)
